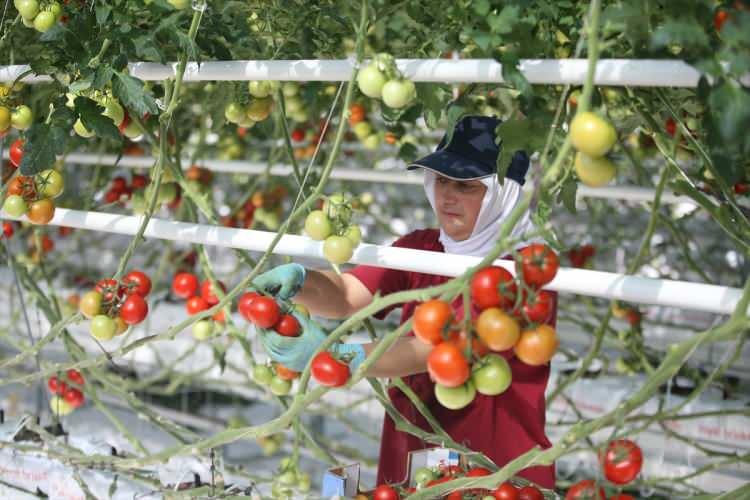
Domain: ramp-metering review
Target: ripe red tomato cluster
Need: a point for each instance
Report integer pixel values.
(72, 395)
(263, 312)
(120, 191)
(199, 296)
(113, 305)
(505, 304)
(579, 256)
(243, 218)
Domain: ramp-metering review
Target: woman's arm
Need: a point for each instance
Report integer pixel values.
(332, 295)
(406, 357)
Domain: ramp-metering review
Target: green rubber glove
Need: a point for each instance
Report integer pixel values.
(283, 281)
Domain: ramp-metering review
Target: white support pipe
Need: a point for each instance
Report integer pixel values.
(684, 294)
(624, 193)
(611, 72)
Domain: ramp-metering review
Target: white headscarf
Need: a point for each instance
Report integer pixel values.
(497, 204)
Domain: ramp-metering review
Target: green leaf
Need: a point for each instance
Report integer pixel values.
(504, 22)
(102, 14)
(43, 143)
(407, 152)
(481, 7)
(103, 76)
(132, 94)
(92, 118)
(524, 134)
(84, 83)
(683, 32)
(567, 194)
(433, 97)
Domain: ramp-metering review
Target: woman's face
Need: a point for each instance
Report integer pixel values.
(458, 204)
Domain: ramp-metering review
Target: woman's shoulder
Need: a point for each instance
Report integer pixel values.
(421, 239)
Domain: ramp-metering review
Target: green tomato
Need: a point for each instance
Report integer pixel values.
(290, 89)
(49, 183)
(318, 225)
(167, 192)
(455, 398)
(56, 10)
(21, 117)
(591, 134)
(261, 89)
(338, 249)
(236, 422)
(280, 387)
(398, 93)
(424, 475)
(259, 109)
(336, 206)
(179, 4)
(370, 81)
(59, 406)
(103, 327)
(81, 130)
(491, 375)
(594, 171)
(293, 105)
(262, 374)
(362, 130)
(15, 205)
(5, 119)
(234, 112)
(287, 478)
(29, 23)
(28, 9)
(303, 482)
(354, 234)
(371, 142)
(113, 110)
(203, 329)
(269, 446)
(44, 21)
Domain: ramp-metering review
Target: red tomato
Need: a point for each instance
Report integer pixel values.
(73, 396)
(530, 493)
(579, 256)
(493, 286)
(622, 496)
(447, 365)
(298, 135)
(431, 321)
(219, 316)
(385, 492)
(454, 495)
(8, 229)
(288, 326)
(134, 309)
(195, 304)
(16, 152)
(108, 288)
(207, 292)
(75, 376)
(329, 371)
(264, 312)
(137, 282)
(537, 308)
(505, 491)
(670, 126)
(720, 17)
(539, 264)
(119, 184)
(56, 386)
(243, 306)
(741, 188)
(111, 196)
(138, 181)
(585, 490)
(622, 461)
(184, 285)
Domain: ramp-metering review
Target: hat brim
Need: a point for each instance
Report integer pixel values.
(451, 165)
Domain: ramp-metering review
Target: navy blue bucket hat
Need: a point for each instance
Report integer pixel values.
(472, 152)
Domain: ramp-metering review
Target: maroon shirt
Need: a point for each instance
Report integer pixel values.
(502, 427)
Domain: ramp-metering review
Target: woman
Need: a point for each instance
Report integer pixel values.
(470, 204)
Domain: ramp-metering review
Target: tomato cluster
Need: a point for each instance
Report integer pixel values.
(66, 398)
(362, 128)
(505, 306)
(119, 190)
(381, 79)
(265, 207)
(426, 477)
(277, 377)
(264, 312)
(18, 117)
(257, 109)
(40, 17)
(332, 224)
(114, 305)
(579, 256)
(112, 110)
(32, 195)
(593, 137)
(199, 297)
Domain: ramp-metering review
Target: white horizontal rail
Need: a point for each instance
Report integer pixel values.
(684, 294)
(612, 72)
(625, 193)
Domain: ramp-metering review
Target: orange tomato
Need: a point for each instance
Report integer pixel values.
(447, 365)
(498, 329)
(478, 348)
(41, 211)
(537, 345)
(431, 319)
(357, 113)
(285, 373)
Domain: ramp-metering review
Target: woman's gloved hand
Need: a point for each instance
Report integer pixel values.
(296, 352)
(283, 281)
